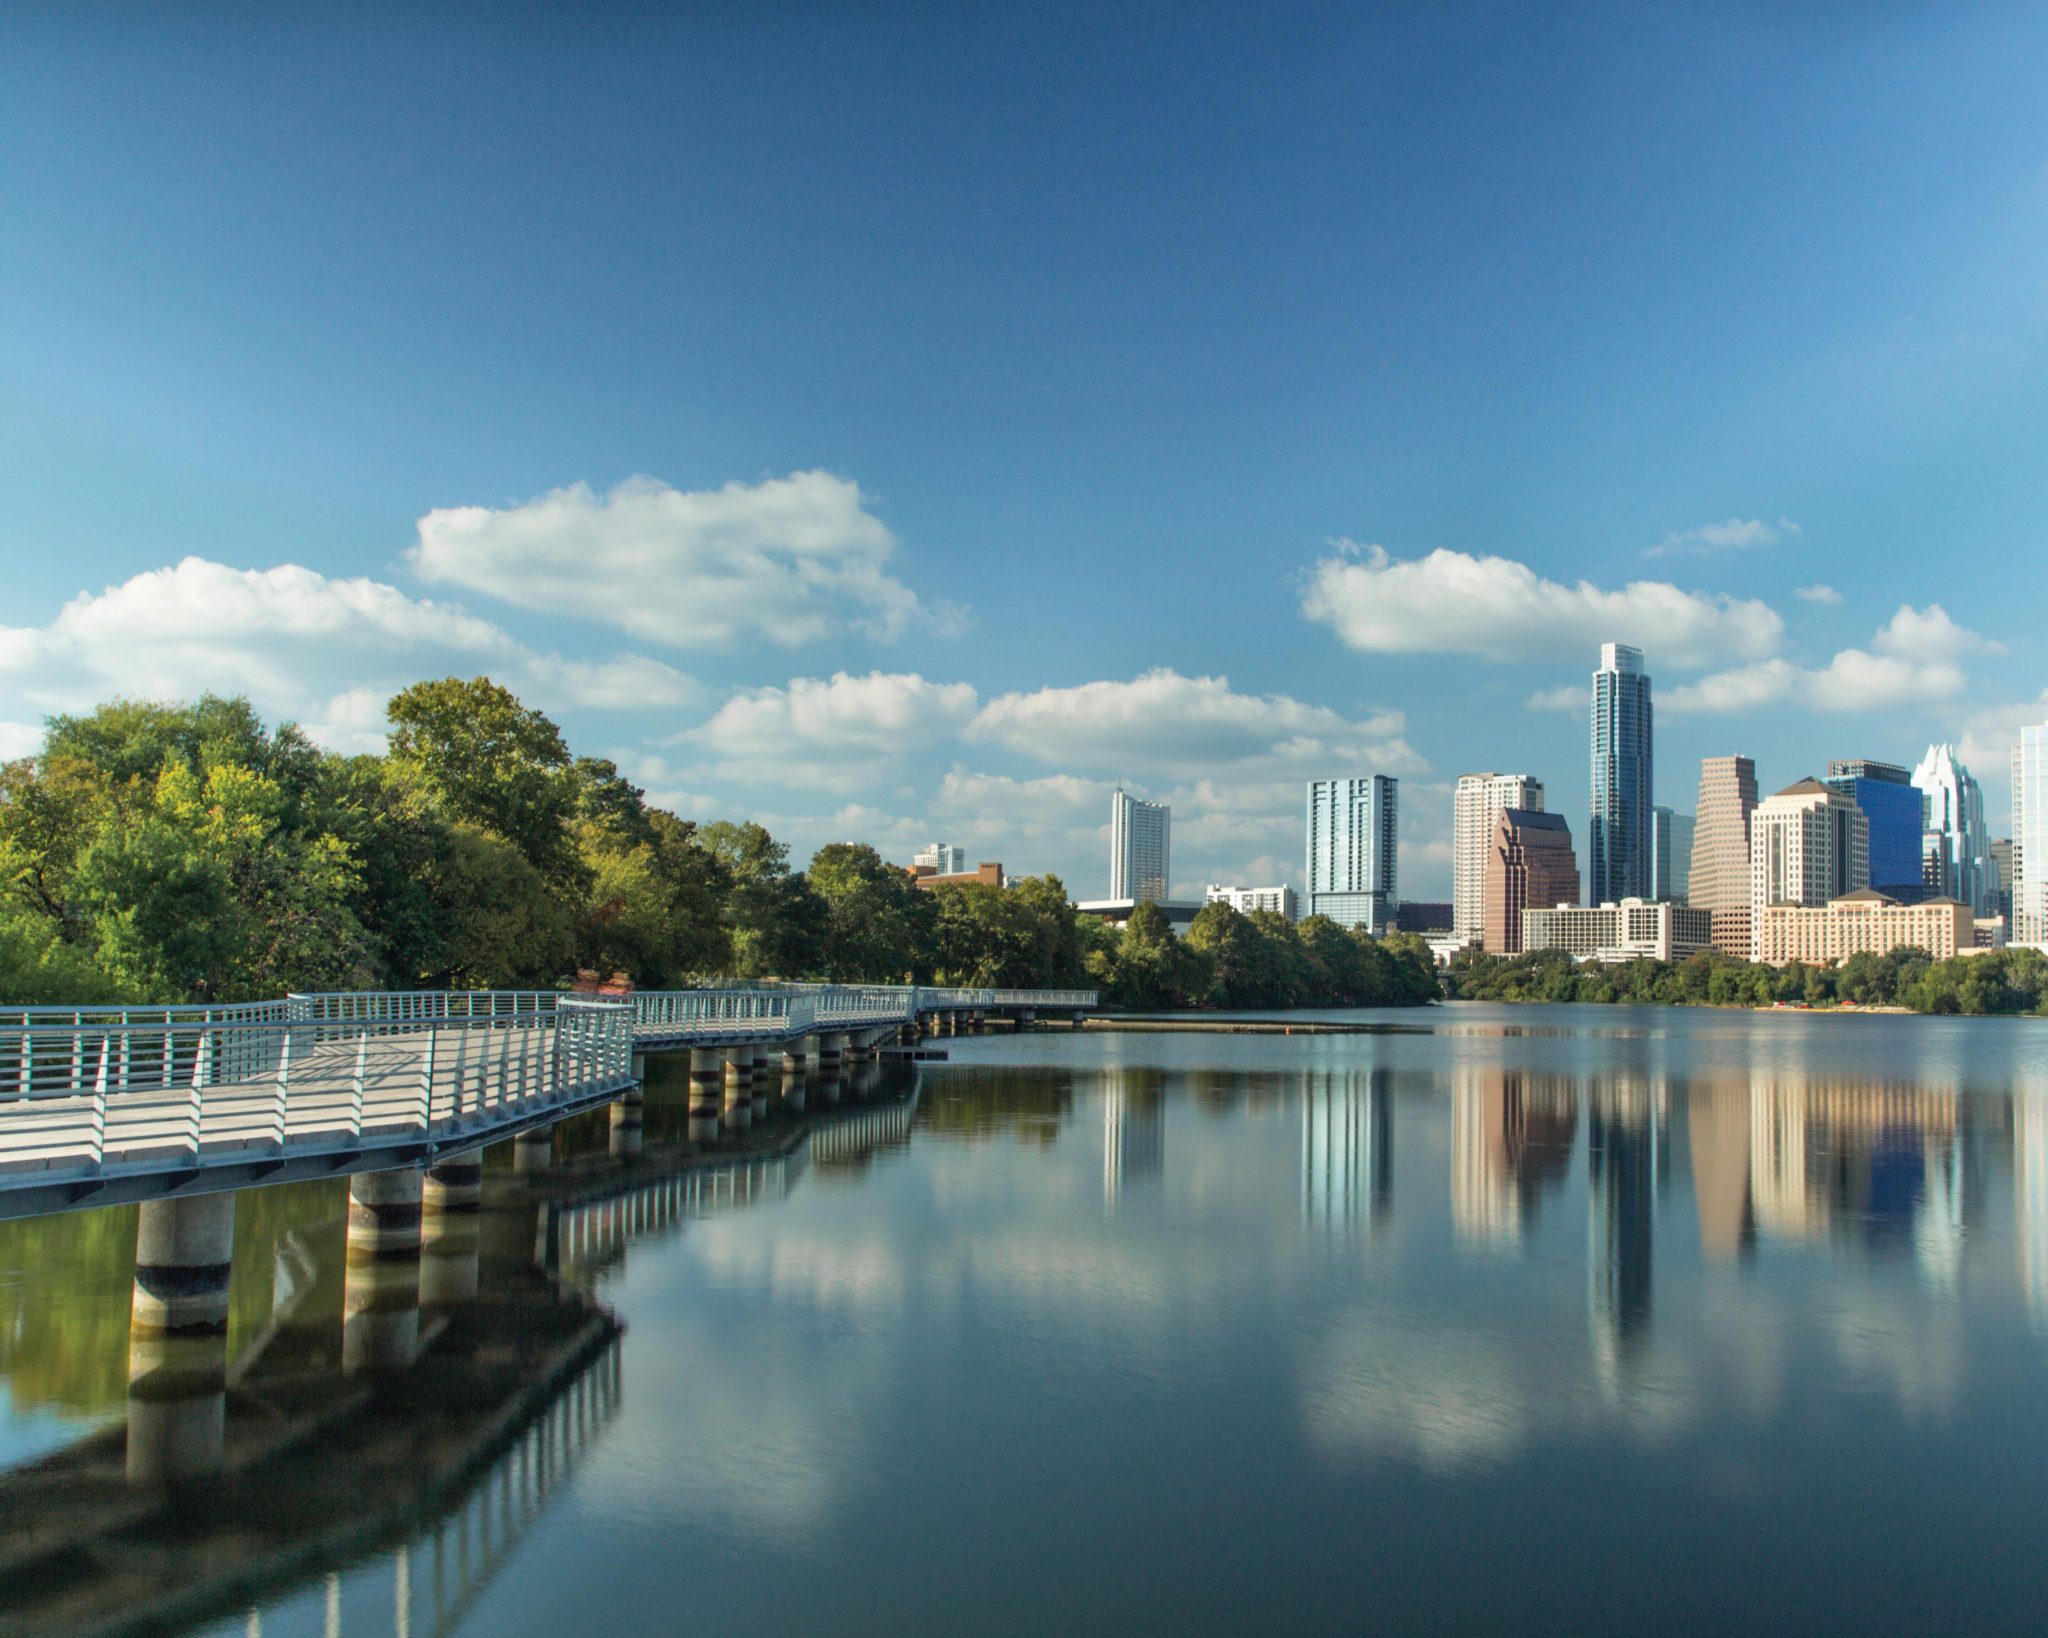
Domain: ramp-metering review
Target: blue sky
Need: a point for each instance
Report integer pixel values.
(902, 426)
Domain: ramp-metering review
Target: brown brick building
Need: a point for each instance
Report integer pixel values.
(1530, 865)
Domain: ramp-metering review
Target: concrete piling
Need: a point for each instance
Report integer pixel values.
(380, 1305)
(628, 1114)
(178, 1339)
(451, 1208)
(707, 1069)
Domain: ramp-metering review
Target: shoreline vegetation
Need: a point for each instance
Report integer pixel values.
(157, 852)
(1995, 982)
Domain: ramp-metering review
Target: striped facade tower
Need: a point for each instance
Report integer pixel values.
(178, 1339)
(380, 1304)
(707, 1070)
(451, 1223)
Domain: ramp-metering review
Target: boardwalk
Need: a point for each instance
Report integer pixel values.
(101, 1105)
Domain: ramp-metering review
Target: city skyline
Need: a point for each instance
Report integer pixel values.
(1000, 509)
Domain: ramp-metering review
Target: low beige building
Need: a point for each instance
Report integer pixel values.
(1619, 932)
(1863, 920)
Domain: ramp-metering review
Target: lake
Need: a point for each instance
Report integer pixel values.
(1500, 1319)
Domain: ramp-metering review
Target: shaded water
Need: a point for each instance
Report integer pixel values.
(1547, 1319)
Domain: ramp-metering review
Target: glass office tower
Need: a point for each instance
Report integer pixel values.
(1621, 832)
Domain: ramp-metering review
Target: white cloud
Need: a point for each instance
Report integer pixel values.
(1917, 663)
(792, 559)
(1454, 603)
(1819, 594)
(1731, 534)
(1061, 800)
(839, 733)
(1569, 697)
(325, 652)
(1166, 725)
(1929, 634)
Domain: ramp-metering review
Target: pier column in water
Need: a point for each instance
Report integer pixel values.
(533, 1151)
(178, 1338)
(831, 1053)
(707, 1068)
(451, 1207)
(380, 1305)
(764, 1076)
(739, 1091)
(627, 1115)
(796, 1056)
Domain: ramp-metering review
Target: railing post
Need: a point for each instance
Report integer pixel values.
(427, 1082)
(99, 1106)
(284, 1072)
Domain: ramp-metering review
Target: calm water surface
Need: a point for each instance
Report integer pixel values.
(1546, 1319)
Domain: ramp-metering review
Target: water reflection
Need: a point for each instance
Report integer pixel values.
(1347, 1152)
(1512, 1135)
(1133, 1131)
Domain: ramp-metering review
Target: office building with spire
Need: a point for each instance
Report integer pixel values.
(1620, 830)
(1955, 846)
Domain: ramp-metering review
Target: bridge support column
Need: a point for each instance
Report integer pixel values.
(831, 1053)
(739, 1092)
(796, 1056)
(765, 1077)
(451, 1231)
(178, 1339)
(380, 1304)
(627, 1116)
(533, 1151)
(1026, 1020)
(707, 1068)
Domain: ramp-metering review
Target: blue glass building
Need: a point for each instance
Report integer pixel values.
(1892, 803)
(1623, 836)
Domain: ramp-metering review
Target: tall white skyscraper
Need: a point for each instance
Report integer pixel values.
(2030, 836)
(1140, 844)
(1620, 835)
(1480, 800)
(1956, 845)
(1353, 843)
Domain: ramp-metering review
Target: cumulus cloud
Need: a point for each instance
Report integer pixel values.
(792, 559)
(1819, 594)
(327, 652)
(1498, 609)
(1569, 697)
(1917, 663)
(839, 733)
(1731, 534)
(1166, 725)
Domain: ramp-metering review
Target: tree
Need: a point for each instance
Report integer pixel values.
(878, 926)
(492, 763)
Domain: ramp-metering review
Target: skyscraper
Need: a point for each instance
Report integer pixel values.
(1353, 844)
(1954, 842)
(1140, 845)
(1618, 848)
(1481, 799)
(1719, 878)
(1886, 795)
(1807, 845)
(943, 858)
(2030, 836)
(1670, 854)
(1530, 866)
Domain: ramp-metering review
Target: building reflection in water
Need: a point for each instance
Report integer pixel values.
(1879, 1163)
(1347, 1151)
(1718, 1127)
(1624, 1140)
(2030, 1196)
(1511, 1140)
(1133, 1130)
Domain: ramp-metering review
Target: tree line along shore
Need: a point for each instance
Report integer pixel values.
(158, 852)
(1995, 981)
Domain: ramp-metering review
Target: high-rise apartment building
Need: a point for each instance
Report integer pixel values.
(943, 858)
(1620, 840)
(1530, 866)
(1353, 850)
(2030, 836)
(1954, 842)
(2001, 858)
(1281, 900)
(1140, 848)
(1671, 836)
(1481, 799)
(1719, 877)
(1807, 845)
